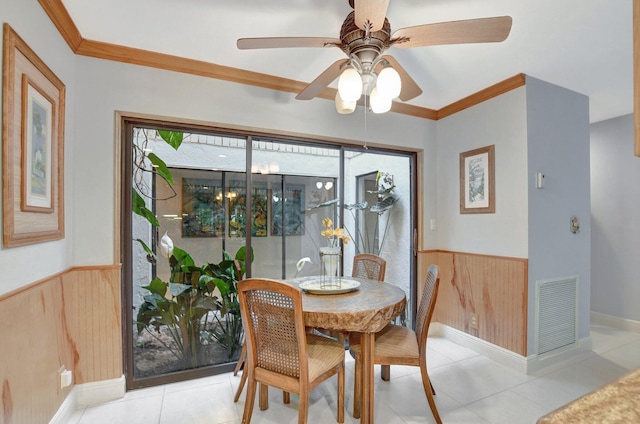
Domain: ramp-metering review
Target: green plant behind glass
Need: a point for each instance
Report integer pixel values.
(189, 310)
(199, 304)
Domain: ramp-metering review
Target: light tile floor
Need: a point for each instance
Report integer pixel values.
(470, 388)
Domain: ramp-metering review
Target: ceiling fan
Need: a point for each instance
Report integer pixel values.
(364, 36)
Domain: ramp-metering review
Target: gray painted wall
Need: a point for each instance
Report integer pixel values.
(558, 146)
(615, 234)
(540, 127)
(500, 121)
(24, 265)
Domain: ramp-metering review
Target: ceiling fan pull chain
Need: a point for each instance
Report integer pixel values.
(365, 121)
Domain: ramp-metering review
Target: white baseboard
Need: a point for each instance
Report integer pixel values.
(68, 407)
(87, 394)
(525, 365)
(100, 391)
(497, 353)
(562, 357)
(615, 322)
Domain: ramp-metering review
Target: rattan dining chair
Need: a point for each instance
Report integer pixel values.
(399, 345)
(373, 267)
(279, 351)
(366, 265)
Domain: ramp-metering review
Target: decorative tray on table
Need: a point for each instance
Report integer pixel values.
(342, 285)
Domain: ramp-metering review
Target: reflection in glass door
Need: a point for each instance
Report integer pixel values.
(299, 177)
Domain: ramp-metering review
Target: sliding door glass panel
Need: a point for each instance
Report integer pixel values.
(192, 185)
(379, 212)
(267, 247)
(299, 178)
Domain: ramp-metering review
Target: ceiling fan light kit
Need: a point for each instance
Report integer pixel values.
(378, 102)
(350, 85)
(358, 80)
(389, 83)
(344, 108)
(364, 36)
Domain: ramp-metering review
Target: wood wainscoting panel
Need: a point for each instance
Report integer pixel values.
(71, 320)
(94, 322)
(30, 354)
(493, 289)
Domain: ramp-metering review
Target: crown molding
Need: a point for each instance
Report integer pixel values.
(483, 95)
(62, 20)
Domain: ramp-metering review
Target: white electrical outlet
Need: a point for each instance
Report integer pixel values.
(66, 378)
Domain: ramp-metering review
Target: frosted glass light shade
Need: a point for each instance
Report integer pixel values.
(343, 107)
(379, 103)
(350, 85)
(389, 83)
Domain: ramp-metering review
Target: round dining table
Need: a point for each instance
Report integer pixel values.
(364, 309)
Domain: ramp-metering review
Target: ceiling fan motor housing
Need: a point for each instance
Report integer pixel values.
(365, 45)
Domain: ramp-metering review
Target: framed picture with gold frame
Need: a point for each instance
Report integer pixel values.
(477, 181)
(33, 146)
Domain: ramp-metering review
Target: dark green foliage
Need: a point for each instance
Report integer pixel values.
(197, 307)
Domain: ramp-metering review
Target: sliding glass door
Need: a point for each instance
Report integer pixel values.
(379, 211)
(207, 209)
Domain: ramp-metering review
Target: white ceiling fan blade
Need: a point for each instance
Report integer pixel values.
(371, 12)
(483, 30)
(410, 88)
(322, 80)
(281, 42)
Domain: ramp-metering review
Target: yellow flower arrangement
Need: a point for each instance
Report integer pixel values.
(334, 235)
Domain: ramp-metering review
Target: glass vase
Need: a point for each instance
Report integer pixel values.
(330, 259)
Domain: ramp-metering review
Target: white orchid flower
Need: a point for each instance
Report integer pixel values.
(166, 246)
(301, 263)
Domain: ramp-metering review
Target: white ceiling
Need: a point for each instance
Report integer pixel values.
(582, 45)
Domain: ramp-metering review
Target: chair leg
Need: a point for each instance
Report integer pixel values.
(241, 359)
(243, 380)
(426, 384)
(433, 391)
(249, 401)
(357, 387)
(286, 397)
(341, 395)
(264, 397)
(385, 373)
(303, 406)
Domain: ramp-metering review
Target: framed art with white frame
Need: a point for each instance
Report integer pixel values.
(33, 146)
(477, 181)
